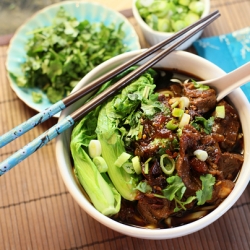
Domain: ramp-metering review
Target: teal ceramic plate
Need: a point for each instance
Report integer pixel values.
(82, 11)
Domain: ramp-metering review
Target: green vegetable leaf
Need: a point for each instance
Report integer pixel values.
(176, 188)
(97, 185)
(113, 117)
(200, 86)
(203, 124)
(207, 189)
(175, 191)
(37, 97)
(66, 51)
(100, 189)
(151, 107)
(144, 187)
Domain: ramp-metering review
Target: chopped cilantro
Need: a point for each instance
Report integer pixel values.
(36, 97)
(61, 54)
(175, 191)
(144, 187)
(202, 124)
(207, 189)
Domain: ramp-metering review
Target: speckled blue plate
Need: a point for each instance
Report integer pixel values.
(92, 12)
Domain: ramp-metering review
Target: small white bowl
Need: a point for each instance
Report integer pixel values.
(153, 37)
(186, 62)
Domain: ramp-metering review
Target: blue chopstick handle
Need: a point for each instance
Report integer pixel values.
(31, 123)
(36, 144)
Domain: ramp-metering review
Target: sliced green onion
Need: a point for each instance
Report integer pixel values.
(179, 132)
(167, 164)
(191, 18)
(184, 2)
(167, 93)
(124, 156)
(145, 3)
(178, 25)
(140, 132)
(173, 100)
(196, 6)
(201, 154)
(177, 112)
(220, 112)
(163, 25)
(184, 102)
(172, 125)
(175, 104)
(185, 119)
(200, 86)
(146, 92)
(136, 164)
(146, 169)
(128, 167)
(100, 164)
(95, 148)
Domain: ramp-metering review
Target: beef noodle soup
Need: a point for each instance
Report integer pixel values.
(188, 153)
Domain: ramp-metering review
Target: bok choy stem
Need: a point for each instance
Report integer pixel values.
(98, 186)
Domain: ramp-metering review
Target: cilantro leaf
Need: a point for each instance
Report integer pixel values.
(176, 188)
(202, 124)
(175, 191)
(207, 189)
(144, 187)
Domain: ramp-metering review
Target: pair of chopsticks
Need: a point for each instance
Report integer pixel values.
(174, 42)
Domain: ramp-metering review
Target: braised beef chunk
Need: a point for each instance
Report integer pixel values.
(201, 100)
(154, 137)
(230, 164)
(188, 144)
(129, 214)
(176, 88)
(209, 144)
(198, 165)
(227, 127)
(155, 177)
(154, 209)
(221, 190)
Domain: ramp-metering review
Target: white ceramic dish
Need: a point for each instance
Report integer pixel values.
(92, 12)
(153, 37)
(186, 62)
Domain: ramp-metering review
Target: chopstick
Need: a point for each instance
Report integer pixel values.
(73, 97)
(70, 120)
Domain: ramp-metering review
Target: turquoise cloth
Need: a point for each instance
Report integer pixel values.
(228, 51)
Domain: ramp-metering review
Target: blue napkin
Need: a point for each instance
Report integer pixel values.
(228, 51)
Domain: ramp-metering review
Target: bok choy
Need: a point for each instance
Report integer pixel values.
(105, 123)
(98, 186)
(111, 130)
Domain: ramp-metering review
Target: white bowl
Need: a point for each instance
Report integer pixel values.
(153, 37)
(176, 60)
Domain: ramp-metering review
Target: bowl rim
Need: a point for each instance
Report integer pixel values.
(155, 233)
(146, 27)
